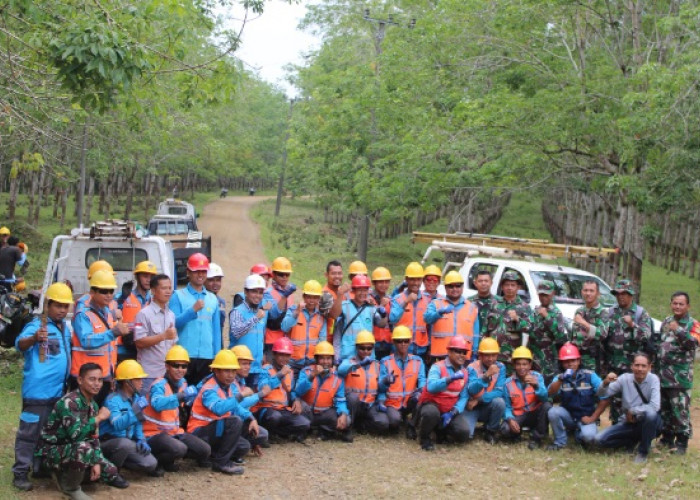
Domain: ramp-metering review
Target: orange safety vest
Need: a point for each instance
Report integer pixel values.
(479, 369)
(278, 398)
(105, 355)
(320, 397)
(458, 322)
(382, 333)
(272, 335)
(363, 382)
(398, 393)
(447, 399)
(201, 415)
(522, 401)
(167, 421)
(304, 335)
(412, 317)
(130, 309)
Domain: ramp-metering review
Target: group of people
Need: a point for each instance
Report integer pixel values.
(141, 378)
(13, 253)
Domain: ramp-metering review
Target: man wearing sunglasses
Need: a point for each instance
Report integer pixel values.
(450, 317)
(408, 308)
(442, 402)
(96, 331)
(431, 281)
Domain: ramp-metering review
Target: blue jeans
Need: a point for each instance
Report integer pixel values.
(561, 421)
(643, 431)
(490, 413)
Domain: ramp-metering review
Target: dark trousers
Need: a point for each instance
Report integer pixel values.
(283, 422)
(247, 441)
(197, 370)
(396, 416)
(643, 431)
(35, 412)
(429, 420)
(367, 415)
(122, 453)
(167, 448)
(222, 435)
(537, 421)
(326, 421)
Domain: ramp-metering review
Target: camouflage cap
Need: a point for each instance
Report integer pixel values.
(623, 286)
(511, 276)
(545, 286)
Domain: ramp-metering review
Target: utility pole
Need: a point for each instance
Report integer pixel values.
(81, 185)
(280, 185)
(379, 34)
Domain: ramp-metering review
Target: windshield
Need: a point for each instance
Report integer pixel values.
(121, 259)
(568, 286)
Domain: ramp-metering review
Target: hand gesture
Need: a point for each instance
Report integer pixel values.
(412, 297)
(170, 333)
(302, 305)
(260, 313)
(512, 315)
(253, 428)
(493, 370)
(118, 314)
(578, 319)
(343, 289)
(267, 306)
(246, 392)
(296, 407)
(673, 325)
(514, 426)
(611, 377)
(542, 311)
(198, 306)
(102, 415)
(286, 370)
(628, 319)
(531, 379)
(41, 335)
(385, 301)
(342, 422)
(317, 370)
(121, 329)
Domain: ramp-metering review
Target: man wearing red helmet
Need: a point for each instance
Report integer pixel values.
(358, 314)
(197, 319)
(577, 390)
(445, 396)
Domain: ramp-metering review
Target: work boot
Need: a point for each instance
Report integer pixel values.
(554, 447)
(22, 482)
(239, 461)
(666, 441)
(119, 482)
(490, 437)
(204, 464)
(157, 472)
(347, 436)
(411, 432)
(78, 494)
(427, 444)
(171, 467)
(681, 445)
(229, 468)
(533, 444)
(640, 458)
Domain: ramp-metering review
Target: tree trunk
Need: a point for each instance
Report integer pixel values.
(40, 199)
(88, 204)
(12, 200)
(64, 207)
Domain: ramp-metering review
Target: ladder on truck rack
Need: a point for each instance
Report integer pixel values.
(504, 246)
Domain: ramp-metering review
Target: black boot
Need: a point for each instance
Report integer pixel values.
(681, 445)
(22, 482)
(666, 441)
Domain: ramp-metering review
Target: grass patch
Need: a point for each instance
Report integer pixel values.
(522, 218)
(11, 397)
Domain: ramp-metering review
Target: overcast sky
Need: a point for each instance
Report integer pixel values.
(272, 40)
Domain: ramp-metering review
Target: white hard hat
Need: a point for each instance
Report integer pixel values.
(214, 271)
(254, 281)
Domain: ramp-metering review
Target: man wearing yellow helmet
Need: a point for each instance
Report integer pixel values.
(408, 308)
(381, 279)
(305, 326)
(10, 256)
(46, 351)
(527, 400)
(431, 281)
(487, 380)
(83, 302)
(280, 293)
(121, 436)
(130, 301)
(4, 235)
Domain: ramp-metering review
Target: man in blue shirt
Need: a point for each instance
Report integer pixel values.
(197, 319)
(247, 323)
(46, 349)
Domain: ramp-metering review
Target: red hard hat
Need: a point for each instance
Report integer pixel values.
(361, 281)
(282, 345)
(198, 262)
(457, 342)
(261, 270)
(568, 351)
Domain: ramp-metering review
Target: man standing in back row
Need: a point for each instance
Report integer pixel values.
(590, 327)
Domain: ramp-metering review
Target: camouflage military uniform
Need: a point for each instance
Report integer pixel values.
(548, 335)
(589, 343)
(511, 335)
(489, 316)
(676, 353)
(624, 341)
(69, 439)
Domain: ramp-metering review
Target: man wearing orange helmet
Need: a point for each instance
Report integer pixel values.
(197, 319)
(577, 394)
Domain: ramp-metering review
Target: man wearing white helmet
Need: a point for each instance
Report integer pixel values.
(247, 320)
(213, 284)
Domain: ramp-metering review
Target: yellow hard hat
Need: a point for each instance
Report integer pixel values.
(381, 273)
(414, 270)
(453, 277)
(99, 265)
(242, 352)
(129, 370)
(313, 287)
(358, 267)
(281, 265)
(522, 352)
(432, 270)
(103, 279)
(401, 332)
(489, 345)
(4, 231)
(364, 337)
(59, 292)
(177, 353)
(20, 286)
(324, 348)
(225, 360)
(146, 266)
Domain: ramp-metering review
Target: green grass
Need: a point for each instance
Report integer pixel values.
(522, 218)
(10, 395)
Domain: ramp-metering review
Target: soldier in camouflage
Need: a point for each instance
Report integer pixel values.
(549, 332)
(629, 332)
(488, 305)
(69, 445)
(590, 327)
(516, 318)
(675, 355)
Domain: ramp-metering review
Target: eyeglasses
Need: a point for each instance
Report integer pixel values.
(402, 341)
(364, 347)
(459, 351)
(455, 285)
(432, 279)
(282, 275)
(104, 291)
(181, 366)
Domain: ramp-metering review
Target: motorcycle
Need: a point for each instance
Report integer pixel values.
(15, 313)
